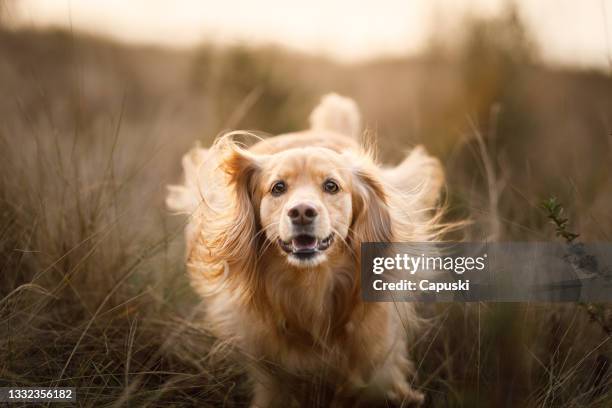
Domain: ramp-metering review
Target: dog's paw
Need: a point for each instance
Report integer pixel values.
(406, 397)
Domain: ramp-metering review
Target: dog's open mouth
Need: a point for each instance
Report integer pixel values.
(305, 246)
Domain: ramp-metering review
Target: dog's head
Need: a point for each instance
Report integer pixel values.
(311, 203)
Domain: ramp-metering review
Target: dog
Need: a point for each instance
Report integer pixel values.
(273, 247)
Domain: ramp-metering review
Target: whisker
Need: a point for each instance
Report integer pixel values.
(264, 249)
(346, 244)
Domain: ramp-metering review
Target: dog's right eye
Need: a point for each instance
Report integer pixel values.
(278, 188)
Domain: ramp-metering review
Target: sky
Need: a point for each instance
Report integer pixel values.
(571, 32)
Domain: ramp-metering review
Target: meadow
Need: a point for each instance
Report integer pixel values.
(93, 290)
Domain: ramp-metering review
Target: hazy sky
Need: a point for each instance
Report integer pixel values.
(568, 31)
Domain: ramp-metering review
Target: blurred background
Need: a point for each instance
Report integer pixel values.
(99, 100)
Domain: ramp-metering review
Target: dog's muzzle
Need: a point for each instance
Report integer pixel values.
(306, 246)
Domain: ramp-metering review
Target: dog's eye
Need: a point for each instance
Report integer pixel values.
(330, 186)
(278, 188)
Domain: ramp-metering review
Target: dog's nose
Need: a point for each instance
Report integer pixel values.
(302, 214)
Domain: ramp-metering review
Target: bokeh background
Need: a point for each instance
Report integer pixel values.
(99, 100)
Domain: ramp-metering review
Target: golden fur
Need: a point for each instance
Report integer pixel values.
(303, 321)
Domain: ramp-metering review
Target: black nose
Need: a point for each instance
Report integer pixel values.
(302, 214)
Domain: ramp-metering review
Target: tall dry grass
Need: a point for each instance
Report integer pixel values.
(92, 286)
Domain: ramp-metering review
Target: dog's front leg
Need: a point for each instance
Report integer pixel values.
(268, 392)
(393, 379)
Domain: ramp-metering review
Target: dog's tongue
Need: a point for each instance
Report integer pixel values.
(304, 243)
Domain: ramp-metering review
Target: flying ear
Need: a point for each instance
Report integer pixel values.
(371, 214)
(240, 165)
(419, 175)
(236, 223)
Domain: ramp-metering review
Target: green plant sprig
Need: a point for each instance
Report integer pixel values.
(554, 211)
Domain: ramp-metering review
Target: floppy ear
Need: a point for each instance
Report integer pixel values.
(234, 234)
(419, 175)
(371, 215)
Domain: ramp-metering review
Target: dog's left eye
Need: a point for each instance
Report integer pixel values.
(330, 186)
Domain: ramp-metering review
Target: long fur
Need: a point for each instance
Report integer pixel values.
(314, 321)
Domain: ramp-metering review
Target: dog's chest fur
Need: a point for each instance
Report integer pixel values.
(307, 324)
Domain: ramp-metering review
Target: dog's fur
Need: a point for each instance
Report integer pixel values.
(303, 320)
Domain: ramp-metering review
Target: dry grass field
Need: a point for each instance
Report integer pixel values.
(93, 292)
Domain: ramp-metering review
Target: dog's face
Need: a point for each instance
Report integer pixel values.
(311, 203)
(305, 203)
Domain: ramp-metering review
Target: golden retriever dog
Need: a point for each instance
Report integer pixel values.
(273, 246)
